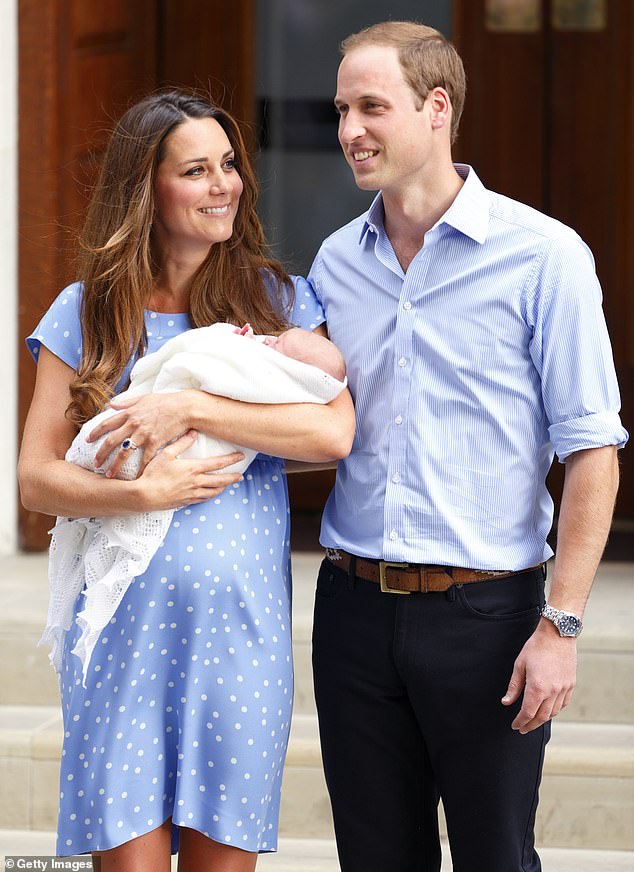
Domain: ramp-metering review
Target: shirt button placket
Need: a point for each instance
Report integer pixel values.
(398, 438)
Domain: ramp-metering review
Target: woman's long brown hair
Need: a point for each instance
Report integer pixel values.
(116, 263)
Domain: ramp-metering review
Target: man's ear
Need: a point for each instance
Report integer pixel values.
(439, 108)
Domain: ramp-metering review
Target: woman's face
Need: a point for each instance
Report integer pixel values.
(197, 189)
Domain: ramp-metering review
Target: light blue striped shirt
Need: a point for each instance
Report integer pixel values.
(468, 373)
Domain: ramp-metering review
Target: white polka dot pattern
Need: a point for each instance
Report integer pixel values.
(189, 693)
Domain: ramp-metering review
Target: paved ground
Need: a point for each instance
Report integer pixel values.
(305, 855)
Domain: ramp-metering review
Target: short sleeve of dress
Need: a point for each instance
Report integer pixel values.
(60, 328)
(307, 311)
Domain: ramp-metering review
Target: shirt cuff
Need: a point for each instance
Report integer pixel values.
(590, 431)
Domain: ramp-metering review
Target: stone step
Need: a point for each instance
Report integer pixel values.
(606, 646)
(320, 855)
(587, 795)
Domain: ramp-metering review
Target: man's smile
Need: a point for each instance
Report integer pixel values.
(360, 156)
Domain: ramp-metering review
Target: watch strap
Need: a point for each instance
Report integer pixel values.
(559, 617)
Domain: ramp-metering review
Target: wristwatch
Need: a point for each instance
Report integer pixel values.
(567, 623)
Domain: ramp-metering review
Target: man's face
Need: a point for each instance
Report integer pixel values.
(384, 137)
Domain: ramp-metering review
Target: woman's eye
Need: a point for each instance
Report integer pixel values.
(231, 164)
(195, 171)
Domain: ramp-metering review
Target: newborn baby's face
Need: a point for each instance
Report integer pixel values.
(290, 343)
(304, 346)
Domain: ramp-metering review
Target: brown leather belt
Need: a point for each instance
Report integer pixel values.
(414, 577)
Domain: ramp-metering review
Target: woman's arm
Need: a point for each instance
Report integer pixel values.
(305, 432)
(299, 431)
(51, 485)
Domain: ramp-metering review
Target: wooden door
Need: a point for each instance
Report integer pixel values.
(549, 120)
(210, 45)
(81, 64)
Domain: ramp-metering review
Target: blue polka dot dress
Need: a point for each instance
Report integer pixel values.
(187, 708)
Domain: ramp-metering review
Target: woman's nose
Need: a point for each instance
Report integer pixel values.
(218, 183)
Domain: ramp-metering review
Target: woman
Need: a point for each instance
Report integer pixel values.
(177, 742)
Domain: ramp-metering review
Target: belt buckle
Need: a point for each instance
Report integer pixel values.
(385, 564)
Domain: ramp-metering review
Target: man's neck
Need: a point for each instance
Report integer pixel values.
(410, 213)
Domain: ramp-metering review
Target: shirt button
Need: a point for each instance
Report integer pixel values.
(402, 362)
(396, 478)
(393, 535)
(398, 419)
(407, 305)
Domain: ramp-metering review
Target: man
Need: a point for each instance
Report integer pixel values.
(476, 348)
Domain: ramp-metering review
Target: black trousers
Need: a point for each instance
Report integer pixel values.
(408, 692)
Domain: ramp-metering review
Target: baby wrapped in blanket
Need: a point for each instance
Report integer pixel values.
(101, 556)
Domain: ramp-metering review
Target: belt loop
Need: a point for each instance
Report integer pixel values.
(450, 593)
(352, 579)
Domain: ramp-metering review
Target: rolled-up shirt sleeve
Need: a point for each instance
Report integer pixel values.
(571, 350)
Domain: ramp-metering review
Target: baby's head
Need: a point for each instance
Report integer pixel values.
(310, 348)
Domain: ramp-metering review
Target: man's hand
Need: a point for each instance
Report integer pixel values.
(546, 670)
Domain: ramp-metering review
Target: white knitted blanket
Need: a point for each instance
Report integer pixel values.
(101, 556)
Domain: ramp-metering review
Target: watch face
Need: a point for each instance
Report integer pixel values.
(569, 625)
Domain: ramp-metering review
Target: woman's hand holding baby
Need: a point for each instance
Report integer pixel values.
(150, 421)
(153, 422)
(169, 482)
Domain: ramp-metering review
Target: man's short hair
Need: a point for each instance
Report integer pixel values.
(427, 59)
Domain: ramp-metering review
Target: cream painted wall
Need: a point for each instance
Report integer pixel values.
(8, 273)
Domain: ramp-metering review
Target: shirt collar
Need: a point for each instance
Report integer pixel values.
(374, 218)
(469, 212)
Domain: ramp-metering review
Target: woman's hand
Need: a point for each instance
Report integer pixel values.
(51, 485)
(150, 421)
(170, 482)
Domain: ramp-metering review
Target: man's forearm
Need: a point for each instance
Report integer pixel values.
(587, 504)
(298, 431)
(545, 669)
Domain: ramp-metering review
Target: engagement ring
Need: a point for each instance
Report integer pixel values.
(129, 444)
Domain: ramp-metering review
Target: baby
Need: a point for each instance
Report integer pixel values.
(214, 359)
(304, 346)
